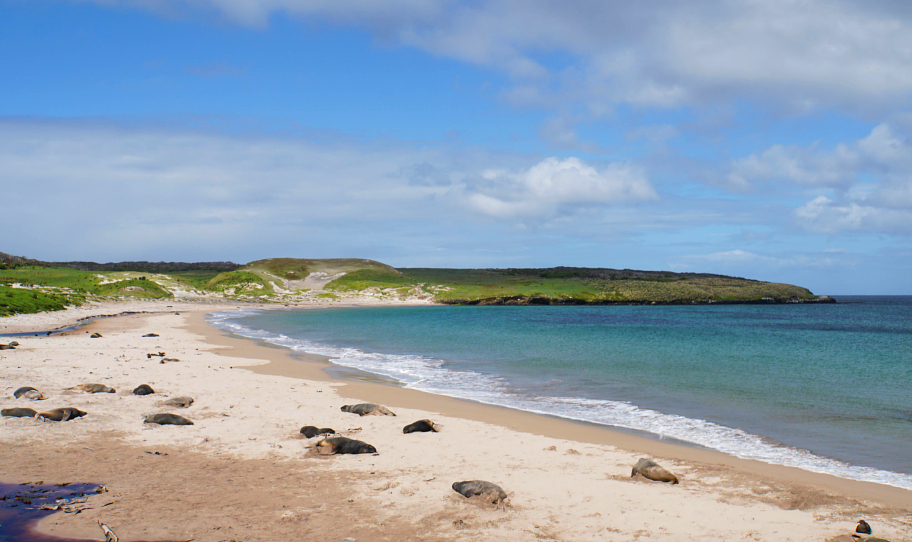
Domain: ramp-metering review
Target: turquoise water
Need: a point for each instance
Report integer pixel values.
(827, 388)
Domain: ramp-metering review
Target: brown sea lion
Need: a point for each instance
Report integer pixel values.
(151, 335)
(490, 492)
(93, 388)
(18, 413)
(863, 527)
(61, 414)
(343, 445)
(95, 336)
(7, 347)
(421, 426)
(29, 393)
(182, 402)
(143, 389)
(650, 470)
(14, 343)
(368, 409)
(311, 431)
(166, 418)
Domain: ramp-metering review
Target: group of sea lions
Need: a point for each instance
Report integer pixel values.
(56, 415)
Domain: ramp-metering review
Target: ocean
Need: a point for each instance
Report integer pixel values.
(823, 387)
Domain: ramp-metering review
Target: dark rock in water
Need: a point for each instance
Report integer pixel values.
(18, 413)
(367, 409)
(29, 393)
(95, 336)
(151, 335)
(491, 492)
(344, 445)
(421, 426)
(166, 418)
(62, 414)
(311, 431)
(143, 389)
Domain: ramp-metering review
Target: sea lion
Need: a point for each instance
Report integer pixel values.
(863, 527)
(650, 470)
(61, 414)
(166, 418)
(95, 336)
(368, 409)
(7, 347)
(343, 445)
(93, 388)
(311, 431)
(18, 413)
(160, 354)
(151, 335)
(143, 389)
(14, 343)
(182, 402)
(29, 393)
(490, 492)
(420, 426)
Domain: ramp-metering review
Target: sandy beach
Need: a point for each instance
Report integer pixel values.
(243, 471)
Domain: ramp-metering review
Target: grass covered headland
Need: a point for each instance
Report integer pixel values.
(34, 286)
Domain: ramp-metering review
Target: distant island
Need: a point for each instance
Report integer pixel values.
(28, 285)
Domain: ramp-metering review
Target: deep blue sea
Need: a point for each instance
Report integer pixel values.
(827, 388)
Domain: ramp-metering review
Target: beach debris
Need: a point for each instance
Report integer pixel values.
(651, 470)
(421, 426)
(343, 445)
(143, 389)
(863, 527)
(492, 493)
(151, 335)
(109, 534)
(166, 418)
(18, 413)
(67, 506)
(368, 409)
(93, 388)
(160, 354)
(61, 414)
(29, 393)
(95, 336)
(181, 402)
(311, 431)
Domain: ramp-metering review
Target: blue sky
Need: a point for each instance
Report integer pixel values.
(768, 140)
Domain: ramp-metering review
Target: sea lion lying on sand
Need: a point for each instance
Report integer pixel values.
(29, 393)
(151, 335)
(61, 414)
(95, 336)
(650, 470)
(368, 409)
(343, 445)
(311, 431)
(93, 388)
(863, 527)
(420, 426)
(18, 413)
(182, 401)
(490, 492)
(166, 418)
(7, 347)
(143, 389)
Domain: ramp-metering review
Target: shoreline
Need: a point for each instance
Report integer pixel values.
(539, 424)
(244, 472)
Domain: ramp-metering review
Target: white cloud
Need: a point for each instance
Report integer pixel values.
(822, 215)
(554, 187)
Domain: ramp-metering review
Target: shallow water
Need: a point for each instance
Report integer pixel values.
(821, 387)
(20, 509)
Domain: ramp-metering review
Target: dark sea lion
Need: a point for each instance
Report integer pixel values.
(166, 418)
(343, 445)
(29, 393)
(14, 343)
(7, 347)
(311, 431)
(863, 527)
(93, 388)
(420, 426)
(490, 492)
(368, 409)
(62, 414)
(650, 470)
(95, 336)
(18, 413)
(143, 389)
(182, 402)
(151, 335)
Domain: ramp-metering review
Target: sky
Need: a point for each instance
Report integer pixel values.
(765, 139)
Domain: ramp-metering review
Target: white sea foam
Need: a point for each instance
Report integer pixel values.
(430, 375)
